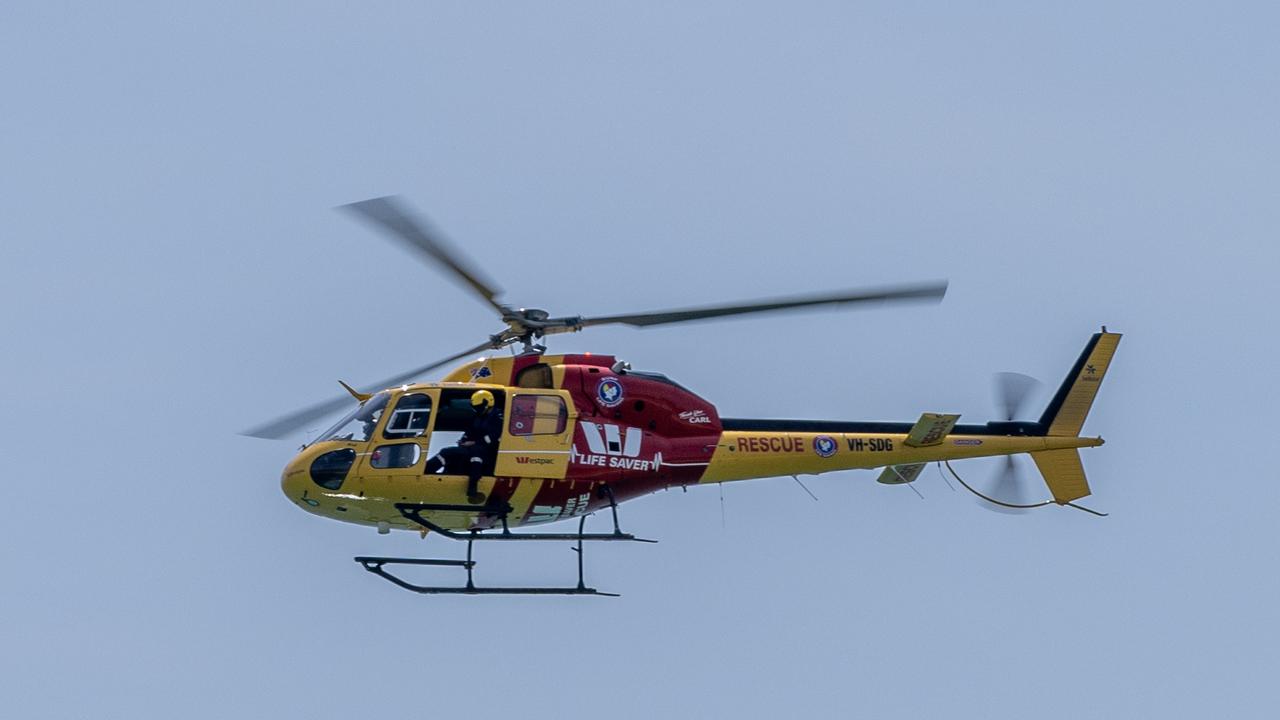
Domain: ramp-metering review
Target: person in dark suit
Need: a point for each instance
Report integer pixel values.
(477, 451)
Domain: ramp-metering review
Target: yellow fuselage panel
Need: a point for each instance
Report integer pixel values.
(747, 455)
(370, 497)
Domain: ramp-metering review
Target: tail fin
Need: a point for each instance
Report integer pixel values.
(1064, 417)
(1063, 473)
(1062, 470)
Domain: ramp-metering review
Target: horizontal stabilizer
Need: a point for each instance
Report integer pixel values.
(931, 429)
(900, 474)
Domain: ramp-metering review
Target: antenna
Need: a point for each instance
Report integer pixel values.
(802, 487)
(722, 522)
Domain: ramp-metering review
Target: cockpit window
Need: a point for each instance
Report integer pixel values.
(401, 455)
(411, 418)
(330, 469)
(358, 424)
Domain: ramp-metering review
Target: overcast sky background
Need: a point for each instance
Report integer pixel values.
(174, 273)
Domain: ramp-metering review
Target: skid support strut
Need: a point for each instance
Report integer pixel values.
(378, 565)
(413, 512)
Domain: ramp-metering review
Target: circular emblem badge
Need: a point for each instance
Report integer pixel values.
(824, 446)
(609, 392)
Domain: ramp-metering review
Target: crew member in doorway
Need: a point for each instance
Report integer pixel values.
(478, 448)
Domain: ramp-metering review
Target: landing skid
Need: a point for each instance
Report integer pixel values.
(413, 511)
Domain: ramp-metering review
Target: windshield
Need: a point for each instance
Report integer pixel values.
(358, 424)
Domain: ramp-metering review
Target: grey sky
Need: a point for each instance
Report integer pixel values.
(175, 273)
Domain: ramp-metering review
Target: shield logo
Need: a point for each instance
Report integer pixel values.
(609, 392)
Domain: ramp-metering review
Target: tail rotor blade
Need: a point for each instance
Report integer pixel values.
(1008, 488)
(1012, 391)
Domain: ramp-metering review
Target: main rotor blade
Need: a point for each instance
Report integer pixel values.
(280, 427)
(899, 293)
(1012, 391)
(420, 235)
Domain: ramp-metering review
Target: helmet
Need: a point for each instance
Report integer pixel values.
(481, 399)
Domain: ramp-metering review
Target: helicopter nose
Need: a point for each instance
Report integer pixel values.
(292, 479)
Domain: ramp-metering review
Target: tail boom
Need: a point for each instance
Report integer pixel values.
(745, 455)
(770, 448)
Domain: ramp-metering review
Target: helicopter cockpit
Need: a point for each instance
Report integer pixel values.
(359, 424)
(416, 417)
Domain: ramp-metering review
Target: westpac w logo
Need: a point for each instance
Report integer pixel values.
(612, 439)
(612, 446)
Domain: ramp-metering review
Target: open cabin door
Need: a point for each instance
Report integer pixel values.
(538, 433)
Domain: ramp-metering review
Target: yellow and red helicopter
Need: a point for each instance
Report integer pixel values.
(581, 433)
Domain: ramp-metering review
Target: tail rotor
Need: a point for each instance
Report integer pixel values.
(1012, 393)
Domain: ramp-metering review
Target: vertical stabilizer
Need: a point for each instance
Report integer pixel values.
(1070, 406)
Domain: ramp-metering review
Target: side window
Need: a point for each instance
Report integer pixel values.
(537, 415)
(395, 456)
(536, 376)
(411, 418)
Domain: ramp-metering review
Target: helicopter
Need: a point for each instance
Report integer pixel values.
(578, 434)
